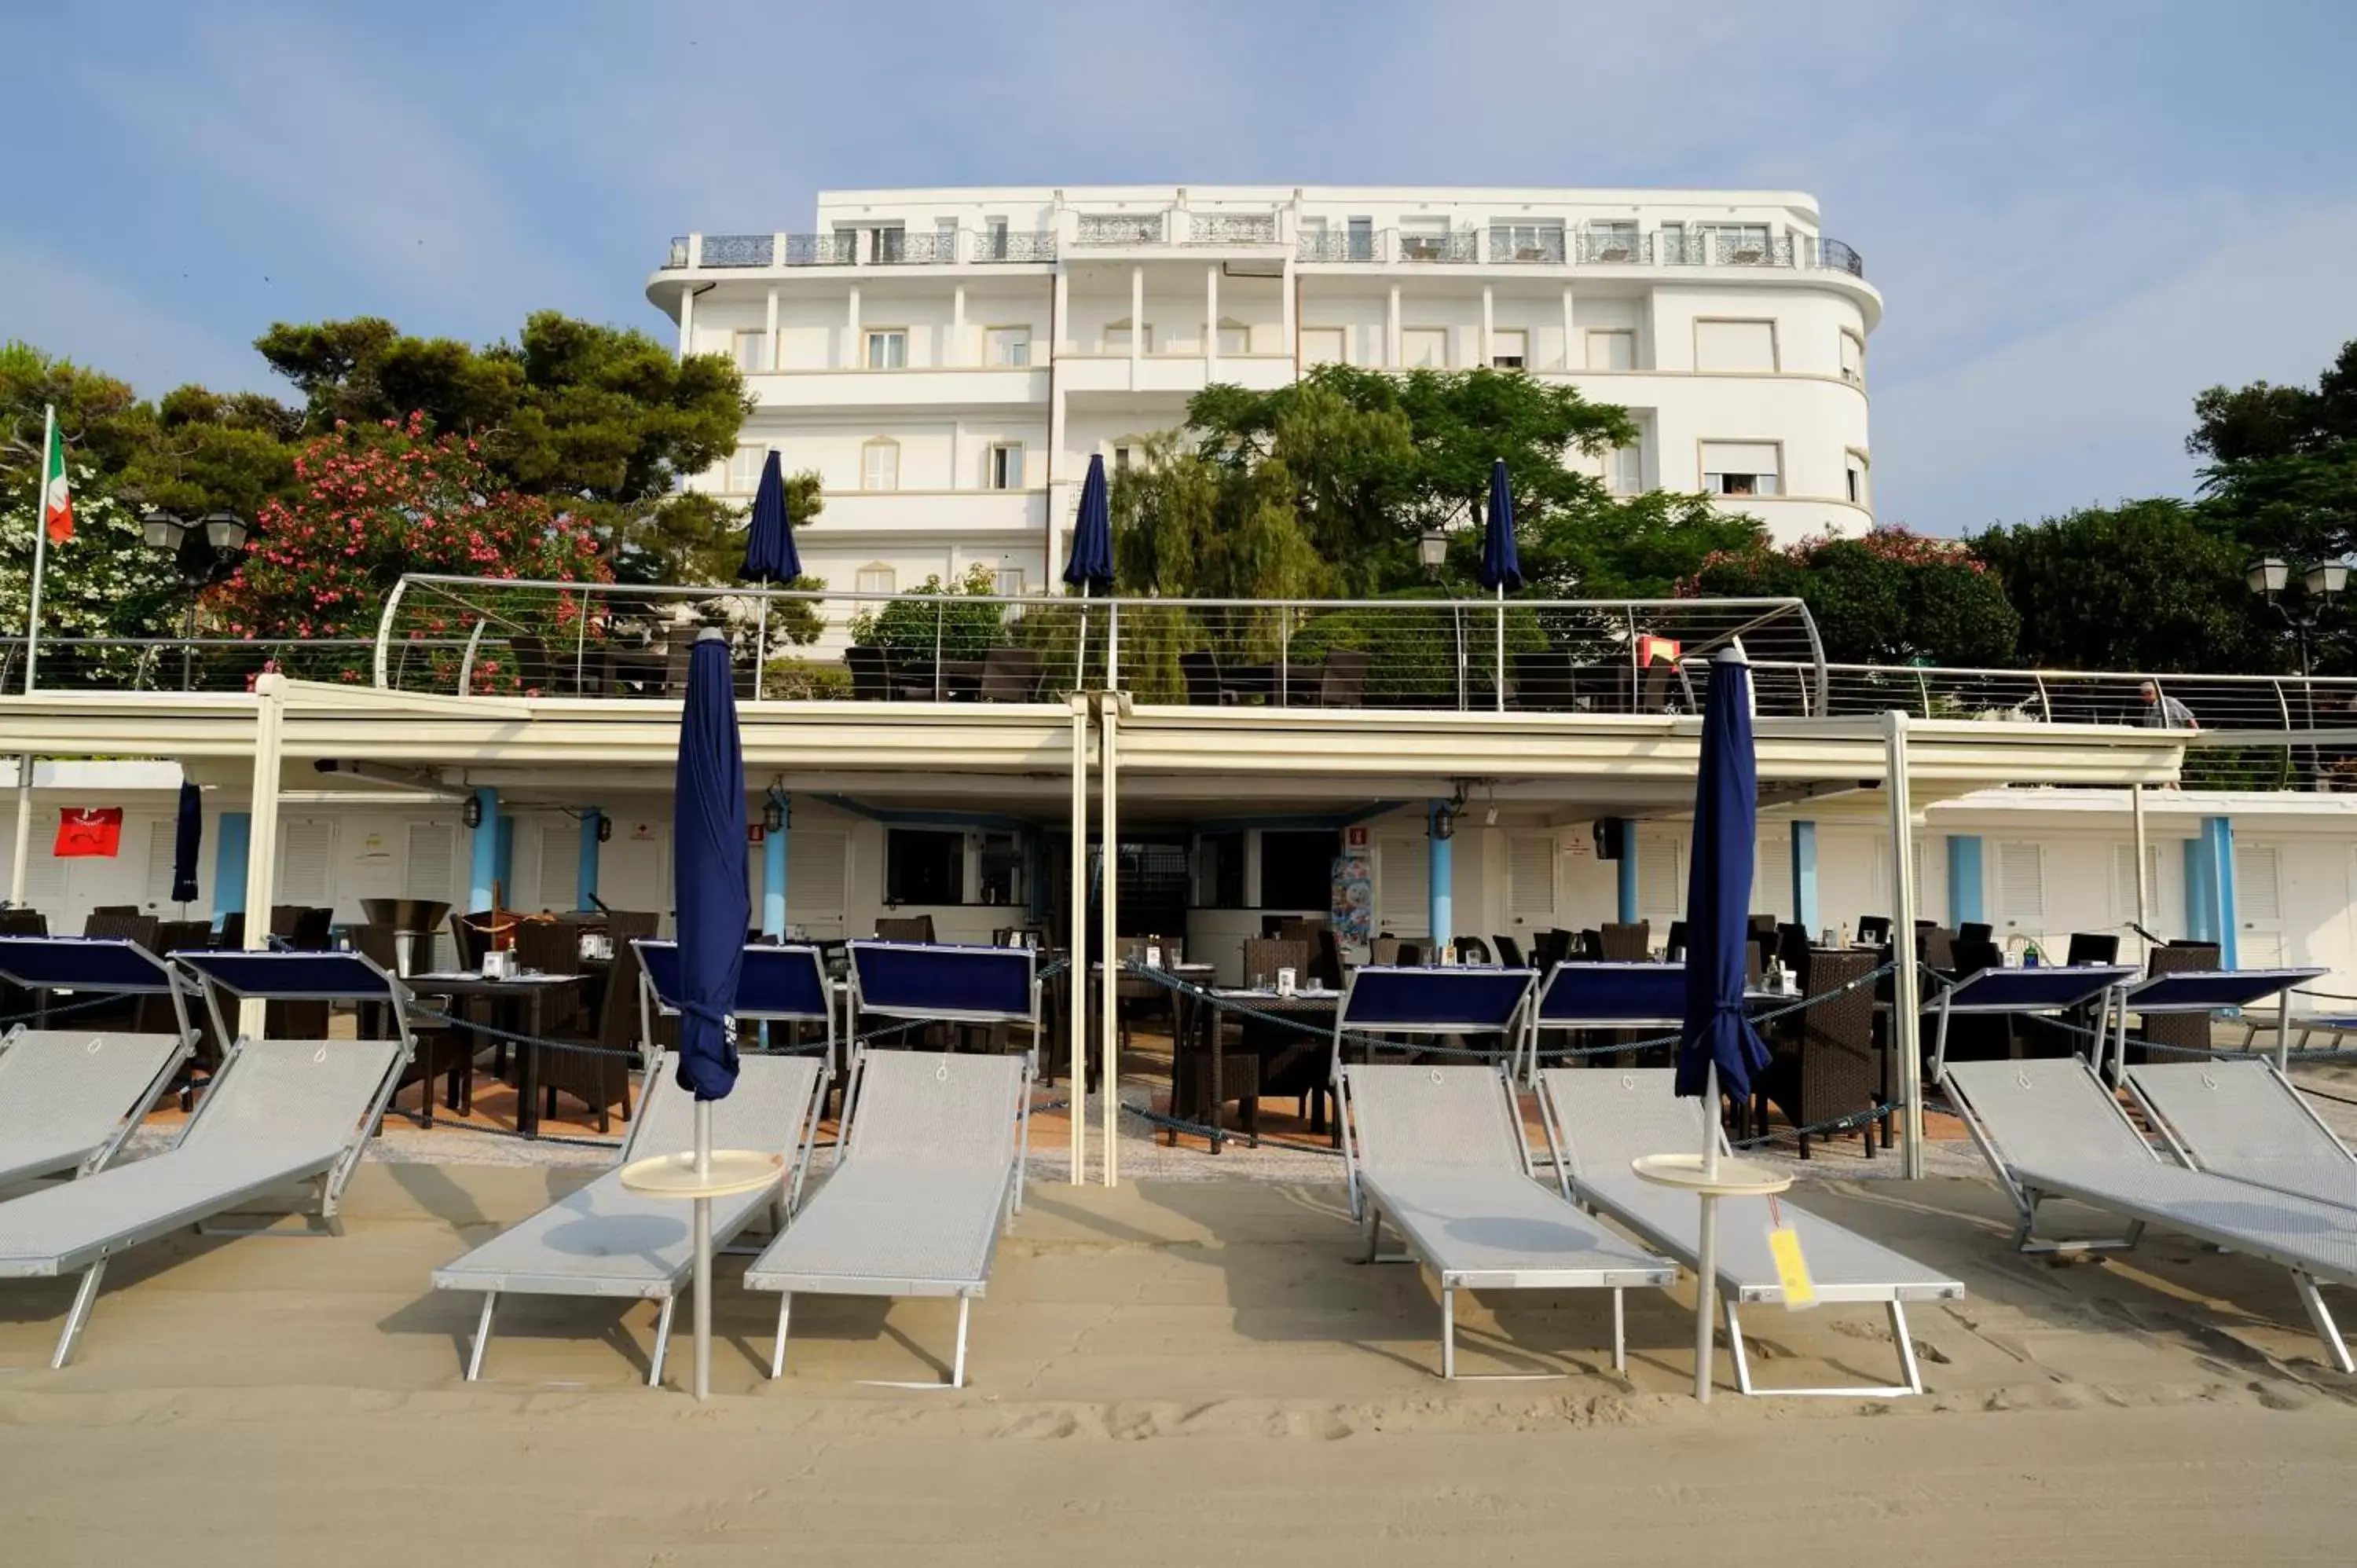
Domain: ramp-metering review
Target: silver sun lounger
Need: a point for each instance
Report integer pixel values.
(1439, 1153)
(2244, 1119)
(929, 1168)
(1599, 1120)
(2050, 1129)
(69, 1097)
(605, 1240)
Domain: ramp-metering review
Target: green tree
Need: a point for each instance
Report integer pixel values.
(2282, 462)
(2148, 584)
(1890, 598)
(101, 583)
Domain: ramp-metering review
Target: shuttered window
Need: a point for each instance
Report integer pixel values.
(163, 835)
(1404, 886)
(1321, 345)
(1735, 345)
(1660, 890)
(558, 884)
(2021, 886)
(2258, 895)
(429, 872)
(305, 850)
(1530, 877)
(815, 878)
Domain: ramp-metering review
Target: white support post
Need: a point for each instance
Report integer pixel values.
(769, 325)
(1108, 905)
(1211, 321)
(1905, 1001)
(1489, 324)
(1076, 1014)
(1572, 359)
(262, 838)
(686, 317)
(854, 352)
(21, 864)
(2142, 864)
(1392, 331)
(1137, 322)
(957, 346)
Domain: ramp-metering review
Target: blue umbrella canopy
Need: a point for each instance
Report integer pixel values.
(708, 871)
(1718, 891)
(1090, 566)
(769, 553)
(188, 838)
(1502, 568)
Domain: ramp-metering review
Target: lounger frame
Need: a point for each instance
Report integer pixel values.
(167, 984)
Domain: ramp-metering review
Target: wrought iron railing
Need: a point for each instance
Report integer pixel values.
(1232, 228)
(840, 249)
(1329, 246)
(1118, 228)
(1834, 254)
(1543, 247)
(1461, 247)
(900, 249)
(1012, 245)
(1750, 251)
(1616, 248)
(736, 250)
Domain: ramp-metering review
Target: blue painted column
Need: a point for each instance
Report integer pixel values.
(232, 835)
(773, 871)
(2210, 887)
(483, 850)
(1441, 879)
(584, 875)
(1628, 869)
(1965, 882)
(1805, 878)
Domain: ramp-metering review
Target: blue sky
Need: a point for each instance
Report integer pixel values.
(2080, 214)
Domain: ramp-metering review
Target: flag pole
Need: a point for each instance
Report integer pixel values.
(21, 863)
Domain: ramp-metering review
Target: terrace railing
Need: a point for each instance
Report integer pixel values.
(185, 664)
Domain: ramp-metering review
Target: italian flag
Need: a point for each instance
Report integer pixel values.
(57, 499)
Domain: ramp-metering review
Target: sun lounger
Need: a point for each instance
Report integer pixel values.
(783, 983)
(2050, 1129)
(2244, 1119)
(69, 1097)
(1599, 1120)
(279, 1114)
(1438, 1151)
(605, 1240)
(929, 1167)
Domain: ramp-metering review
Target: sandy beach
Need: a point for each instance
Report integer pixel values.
(1172, 1372)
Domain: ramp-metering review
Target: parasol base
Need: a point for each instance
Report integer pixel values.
(1734, 1178)
(732, 1171)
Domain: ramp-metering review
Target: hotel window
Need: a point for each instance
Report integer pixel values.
(1611, 350)
(1624, 470)
(1614, 241)
(1736, 244)
(924, 865)
(1006, 345)
(1121, 458)
(877, 580)
(1007, 582)
(879, 464)
(752, 349)
(888, 349)
(1508, 348)
(946, 238)
(1524, 241)
(1219, 871)
(1853, 358)
(1116, 337)
(1423, 347)
(1854, 477)
(1004, 471)
(1322, 346)
(1741, 468)
(993, 240)
(1361, 232)
(1297, 869)
(1235, 336)
(1735, 346)
(887, 244)
(999, 870)
(745, 468)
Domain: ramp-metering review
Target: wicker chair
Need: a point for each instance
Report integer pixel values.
(1625, 941)
(1824, 1063)
(904, 928)
(599, 1079)
(1510, 951)
(547, 946)
(2182, 1032)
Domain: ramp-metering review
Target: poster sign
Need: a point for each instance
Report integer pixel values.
(1354, 838)
(1355, 898)
(89, 831)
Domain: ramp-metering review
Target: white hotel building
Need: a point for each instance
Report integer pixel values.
(948, 360)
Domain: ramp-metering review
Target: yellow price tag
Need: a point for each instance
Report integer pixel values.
(1791, 1268)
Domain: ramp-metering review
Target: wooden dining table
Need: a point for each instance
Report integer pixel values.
(518, 1003)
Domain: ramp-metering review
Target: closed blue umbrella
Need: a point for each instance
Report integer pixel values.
(188, 838)
(708, 885)
(1089, 566)
(1501, 566)
(712, 905)
(769, 553)
(1718, 1048)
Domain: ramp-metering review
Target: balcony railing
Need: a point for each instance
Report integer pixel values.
(1544, 248)
(1118, 228)
(892, 247)
(190, 664)
(1338, 247)
(1840, 257)
(1232, 228)
(736, 250)
(1026, 245)
(1462, 247)
(1614, 248)
(840, 249)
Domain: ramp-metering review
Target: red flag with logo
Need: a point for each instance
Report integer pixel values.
(89, 831)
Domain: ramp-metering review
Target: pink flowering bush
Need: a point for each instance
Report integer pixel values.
(1890, 597)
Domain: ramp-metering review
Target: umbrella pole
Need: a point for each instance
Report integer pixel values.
(1500, 672)
(1707, 1274)
(703, 1254)
(761, 648)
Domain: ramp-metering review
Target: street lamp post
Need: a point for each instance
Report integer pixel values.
(2321, 584)
(204, 550)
